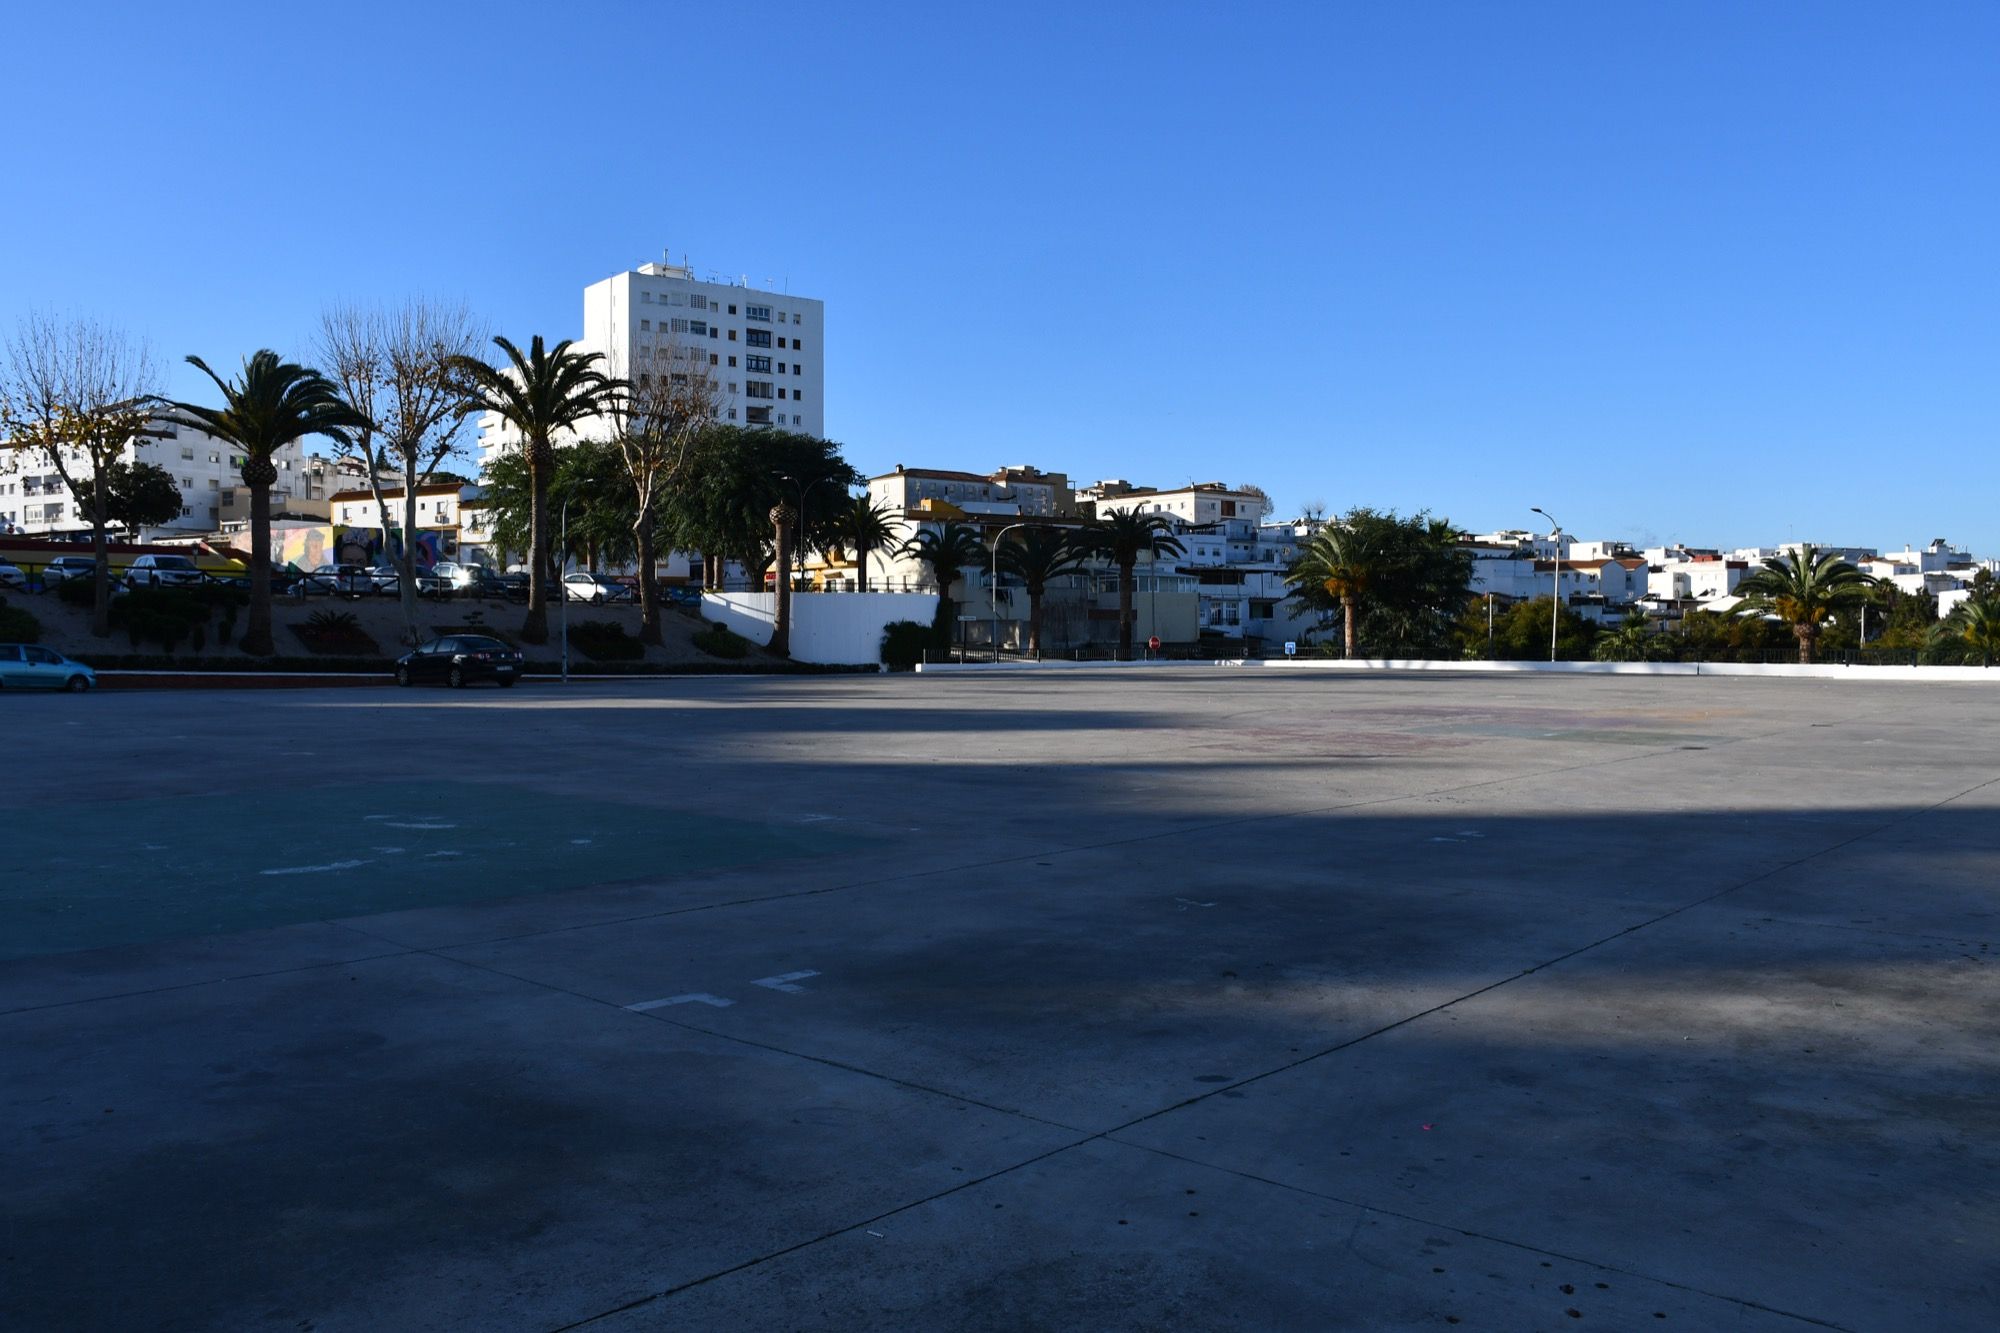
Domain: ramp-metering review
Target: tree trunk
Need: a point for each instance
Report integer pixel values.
(781, 622)
(1806, 634)
(100, 578)
(649, 583)
(1035, 623)
(1127, 586)
(1347, 627)
(535, 627)
(406, 561)
(258, 474)
(861, 566)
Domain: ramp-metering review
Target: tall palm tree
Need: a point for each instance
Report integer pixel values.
(869, 527)
(948, 551)
(1120, 537)
(1345, 561)
(1979, 625)
(1038, 556)
(1803, 589)
(272, 404)
(542, 394)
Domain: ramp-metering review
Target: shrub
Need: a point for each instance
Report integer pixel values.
(164, 616)
(718, 641)
(606, 641)
(77, 592)
(18, 626)
(904, 643)
(338, 624)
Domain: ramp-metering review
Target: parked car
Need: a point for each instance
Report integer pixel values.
(11, 575)
(334, 580)
(388, 581)
(458, 574)
(682, 596)
(163, 571)
(460, 659)
(67, 567)
(29, 666)
(582, 586)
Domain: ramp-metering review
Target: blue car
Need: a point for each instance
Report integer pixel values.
(29, 666)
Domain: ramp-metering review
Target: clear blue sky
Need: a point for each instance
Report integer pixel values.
(1714, 273)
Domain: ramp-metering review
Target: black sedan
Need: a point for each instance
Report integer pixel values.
(460, 659)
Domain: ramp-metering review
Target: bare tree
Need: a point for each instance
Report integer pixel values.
(658, 419)
(80, 393)
(394, 366)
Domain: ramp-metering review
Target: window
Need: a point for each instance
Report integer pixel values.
(646, 326)
(799, 394)
(187, 483)
(214, 484)
(762, 364)
(757, 388)
(757, 416)
(781, 367)
(732, 361)
(795, 319)
(732, 335)
(187, 453)
(711, 359)
(732, 310)
(732, 386)
(675, 298)
(754, 337)
(646, 297)
(795, 418)
(757, 312)
(680, 325)
(732, 414)
(215, 458)
(781, 393)
(697, 303)
(186, 512)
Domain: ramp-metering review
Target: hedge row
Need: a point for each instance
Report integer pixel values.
(320, 665)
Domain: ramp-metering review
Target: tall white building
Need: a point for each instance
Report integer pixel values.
(34, 501)
(764, 350)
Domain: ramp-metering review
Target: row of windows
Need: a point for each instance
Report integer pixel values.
(700, 328)
(699, 302)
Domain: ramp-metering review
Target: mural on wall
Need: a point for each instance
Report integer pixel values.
(310, 545)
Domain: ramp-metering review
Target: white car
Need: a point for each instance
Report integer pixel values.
(11, 576)
(585, 587)
(163, 571)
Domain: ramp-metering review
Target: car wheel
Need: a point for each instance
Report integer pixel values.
(457, 678)
(403, 676)
(507, 682)
(77, 684)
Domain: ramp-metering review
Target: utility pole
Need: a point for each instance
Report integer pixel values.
(1555, 603)
(993, 585)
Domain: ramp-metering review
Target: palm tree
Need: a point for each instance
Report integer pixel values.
(869, 527)
(272, 404)
(1120, 537)
(1632, 641)
(1979, 626)
(541, 395)
(1037, 557)
(949, 551)
(1803, 589)
(1345, 561)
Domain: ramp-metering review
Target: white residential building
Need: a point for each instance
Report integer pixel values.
(437, 506)
(34, 501)
(765, 350)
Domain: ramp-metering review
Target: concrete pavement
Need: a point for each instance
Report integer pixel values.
(1244, 1000)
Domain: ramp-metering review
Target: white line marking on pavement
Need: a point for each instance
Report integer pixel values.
(388, 851)
(1192, 903)
(314, 870)
(784, 981)
(421, 826)
(580, 842)
(699, 997)
(816, 819)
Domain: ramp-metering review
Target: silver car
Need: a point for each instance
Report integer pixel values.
(586, 587)
(11, 575)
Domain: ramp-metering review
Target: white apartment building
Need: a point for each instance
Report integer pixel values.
(437, 506)
(34, 501)
(764, 350)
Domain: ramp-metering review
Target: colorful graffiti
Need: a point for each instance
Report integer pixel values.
(310, 545)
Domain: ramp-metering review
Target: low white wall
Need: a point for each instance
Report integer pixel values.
(1771, 671)
(828, 629)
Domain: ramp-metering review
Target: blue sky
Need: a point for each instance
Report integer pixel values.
(1708, 273)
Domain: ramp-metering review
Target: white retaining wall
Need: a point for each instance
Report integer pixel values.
(828, 629)
(1771, 671)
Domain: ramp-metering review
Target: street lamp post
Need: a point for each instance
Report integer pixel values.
(993, 584)
(1555, 603)
(562, 591)
(799, 541)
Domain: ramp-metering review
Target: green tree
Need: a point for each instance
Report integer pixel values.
(541, 394)
(947, 552)
(1633, 641)
(1977, 624)
(1121, 537)
(1398, 583)
(1038, 556)
(1803, 590)
(272, 404)
(866, 526)
(735, 476)
(136, 495)
(1521, 633)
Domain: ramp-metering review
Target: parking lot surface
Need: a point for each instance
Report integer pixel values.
(1177, 999)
